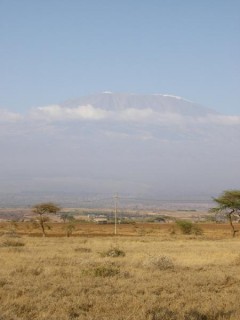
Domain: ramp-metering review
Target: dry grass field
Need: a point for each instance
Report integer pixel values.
(147, 272)
(211, 230)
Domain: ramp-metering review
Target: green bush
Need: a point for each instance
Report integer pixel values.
(187, 227)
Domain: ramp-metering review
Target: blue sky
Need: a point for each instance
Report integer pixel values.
(53, 50)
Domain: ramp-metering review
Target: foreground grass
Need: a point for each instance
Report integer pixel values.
(152, 279)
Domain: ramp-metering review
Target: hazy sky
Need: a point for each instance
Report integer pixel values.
(53, 50)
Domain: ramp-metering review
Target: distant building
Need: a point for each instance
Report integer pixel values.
(100, 220)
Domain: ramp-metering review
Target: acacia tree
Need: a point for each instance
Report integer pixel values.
(69, 227)
(64, 216)
(229, 204)
(42, 209)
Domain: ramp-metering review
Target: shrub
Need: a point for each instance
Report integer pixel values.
(3, 282)
(102, 270)
(216, 315)
(187, 227)
(172, 231)
(12, 243)
(82, 250)
(106, 271)
(184, 226)
(160, 314)
(197, 230)
(12, 234)
(237, 260)
(161, 263)
(36, 271)
(113, 252)
(195, 315)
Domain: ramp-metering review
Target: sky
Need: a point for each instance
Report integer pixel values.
(55, 50)
(136, 141)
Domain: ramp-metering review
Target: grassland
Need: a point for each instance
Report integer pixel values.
(147, 272)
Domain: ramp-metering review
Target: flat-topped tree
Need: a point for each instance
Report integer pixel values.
(42, 209)
(229, 204)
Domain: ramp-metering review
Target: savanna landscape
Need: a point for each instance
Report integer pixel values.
(148, 271)
(120, 153)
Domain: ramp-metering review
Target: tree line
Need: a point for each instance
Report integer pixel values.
(228, 203)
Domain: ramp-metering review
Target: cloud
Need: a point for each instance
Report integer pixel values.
(124, 135)
(212, 119)
(224, 120)
(55, 113)
(133, 114)
(58, 113)
(89, 113)
(6, 116)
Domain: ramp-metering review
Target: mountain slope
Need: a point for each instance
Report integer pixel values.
(157, 102)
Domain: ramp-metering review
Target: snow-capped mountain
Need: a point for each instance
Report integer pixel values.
(158, 144)
(158, 102)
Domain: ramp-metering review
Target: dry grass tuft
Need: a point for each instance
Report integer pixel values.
(12, 243)
(113, 252)
(237, 260)
(159, 262)
(160, 314)
(82, 250)
(107, 269)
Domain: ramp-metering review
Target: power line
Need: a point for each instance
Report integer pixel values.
(116, 197)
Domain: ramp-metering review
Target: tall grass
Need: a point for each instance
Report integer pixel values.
(155, 279)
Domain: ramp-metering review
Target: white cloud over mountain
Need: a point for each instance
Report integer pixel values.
(90, 113)
(7, 116)
(59, 113)
(222, 120)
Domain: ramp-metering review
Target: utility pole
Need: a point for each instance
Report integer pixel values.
(116, 197)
